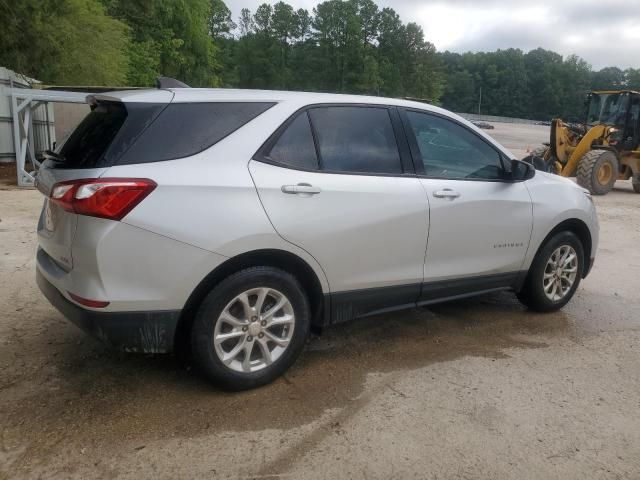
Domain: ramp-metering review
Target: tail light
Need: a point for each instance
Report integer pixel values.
(110, 198)
(87, 302)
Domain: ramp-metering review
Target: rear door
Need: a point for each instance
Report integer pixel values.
(337, 181)
(480, 221)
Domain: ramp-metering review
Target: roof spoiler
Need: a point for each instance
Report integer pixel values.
(168, 82)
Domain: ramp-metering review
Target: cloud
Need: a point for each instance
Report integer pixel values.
(603, 33)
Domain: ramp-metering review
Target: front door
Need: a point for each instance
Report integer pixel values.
(480, 223)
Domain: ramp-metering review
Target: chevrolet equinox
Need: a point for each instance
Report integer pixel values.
(238, 219)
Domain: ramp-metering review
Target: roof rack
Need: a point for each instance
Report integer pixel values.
(168, 82)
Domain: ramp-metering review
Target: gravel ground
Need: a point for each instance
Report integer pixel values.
(520, 138)
(475, 389)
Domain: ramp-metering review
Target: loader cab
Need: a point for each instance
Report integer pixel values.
(619, 110)
(633, 132)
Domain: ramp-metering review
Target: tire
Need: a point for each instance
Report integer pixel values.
(533, 293)
(210, 327)
(635, 183)
(590, 171)
(536, 158)
(539, 151)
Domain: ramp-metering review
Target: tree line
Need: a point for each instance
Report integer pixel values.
(347, 46)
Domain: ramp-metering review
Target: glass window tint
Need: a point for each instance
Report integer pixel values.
(116, 133)
(139, 117)
(295, 146)
(356, 139)
(449, 150)
(86, 146)
(184, 129)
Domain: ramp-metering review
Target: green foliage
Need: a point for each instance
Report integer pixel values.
(220, 23)
(171, 38)
(67, 42)
(350, 46)
(540, 84)
(343, 46)
(633, 78)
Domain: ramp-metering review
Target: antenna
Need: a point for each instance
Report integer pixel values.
(168, 82)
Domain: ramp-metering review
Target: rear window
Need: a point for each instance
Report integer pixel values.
(95, 136)
(126, 133)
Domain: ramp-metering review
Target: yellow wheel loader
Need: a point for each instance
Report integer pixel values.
(604, 149)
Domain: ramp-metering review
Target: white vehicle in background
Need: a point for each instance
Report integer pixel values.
(235, 220)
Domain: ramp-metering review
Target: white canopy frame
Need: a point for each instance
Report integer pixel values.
(24, 101)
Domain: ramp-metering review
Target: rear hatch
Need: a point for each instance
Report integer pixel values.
(104, 135)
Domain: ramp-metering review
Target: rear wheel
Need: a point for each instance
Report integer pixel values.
(598, 171)
(251, 328)
(555, 273)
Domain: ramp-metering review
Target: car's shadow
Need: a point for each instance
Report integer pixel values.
(88, 387)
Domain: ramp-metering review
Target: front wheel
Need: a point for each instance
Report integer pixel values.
(598, 171)
(251, 328)
(555, 274)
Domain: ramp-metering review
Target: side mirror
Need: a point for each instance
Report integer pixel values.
(521, 171)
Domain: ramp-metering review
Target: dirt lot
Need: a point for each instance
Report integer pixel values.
(476, 389)
(519, 138)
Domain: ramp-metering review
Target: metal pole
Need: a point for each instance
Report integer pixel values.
(46, 116)
(480, 100)
(17, 139)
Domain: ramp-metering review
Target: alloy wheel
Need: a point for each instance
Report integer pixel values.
(254, 330)
(560, 273)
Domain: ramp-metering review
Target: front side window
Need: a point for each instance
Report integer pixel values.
(449, 150)
(355, 139)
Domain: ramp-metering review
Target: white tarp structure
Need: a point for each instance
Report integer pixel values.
(26, 108)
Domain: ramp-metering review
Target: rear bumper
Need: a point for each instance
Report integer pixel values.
(148, 332)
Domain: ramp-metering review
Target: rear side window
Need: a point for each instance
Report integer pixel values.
(295, 147)
(184, 129)
(356, 139)
(115, 133)
(105, 132)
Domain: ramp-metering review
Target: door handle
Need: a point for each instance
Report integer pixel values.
(446, 193)
(301, 188)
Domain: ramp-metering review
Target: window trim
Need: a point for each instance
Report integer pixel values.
(417, 156)
(270, 143)
(404, 152)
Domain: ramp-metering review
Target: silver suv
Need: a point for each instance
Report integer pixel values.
(236, 220)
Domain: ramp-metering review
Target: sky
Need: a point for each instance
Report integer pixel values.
(603, 32)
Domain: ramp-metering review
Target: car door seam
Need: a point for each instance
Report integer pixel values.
(257, 190)
(526, 252)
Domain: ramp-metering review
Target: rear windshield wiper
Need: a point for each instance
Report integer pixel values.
(53, 156)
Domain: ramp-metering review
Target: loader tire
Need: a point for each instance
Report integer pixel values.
(536, 158)
(539, 151)
(598, 171)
